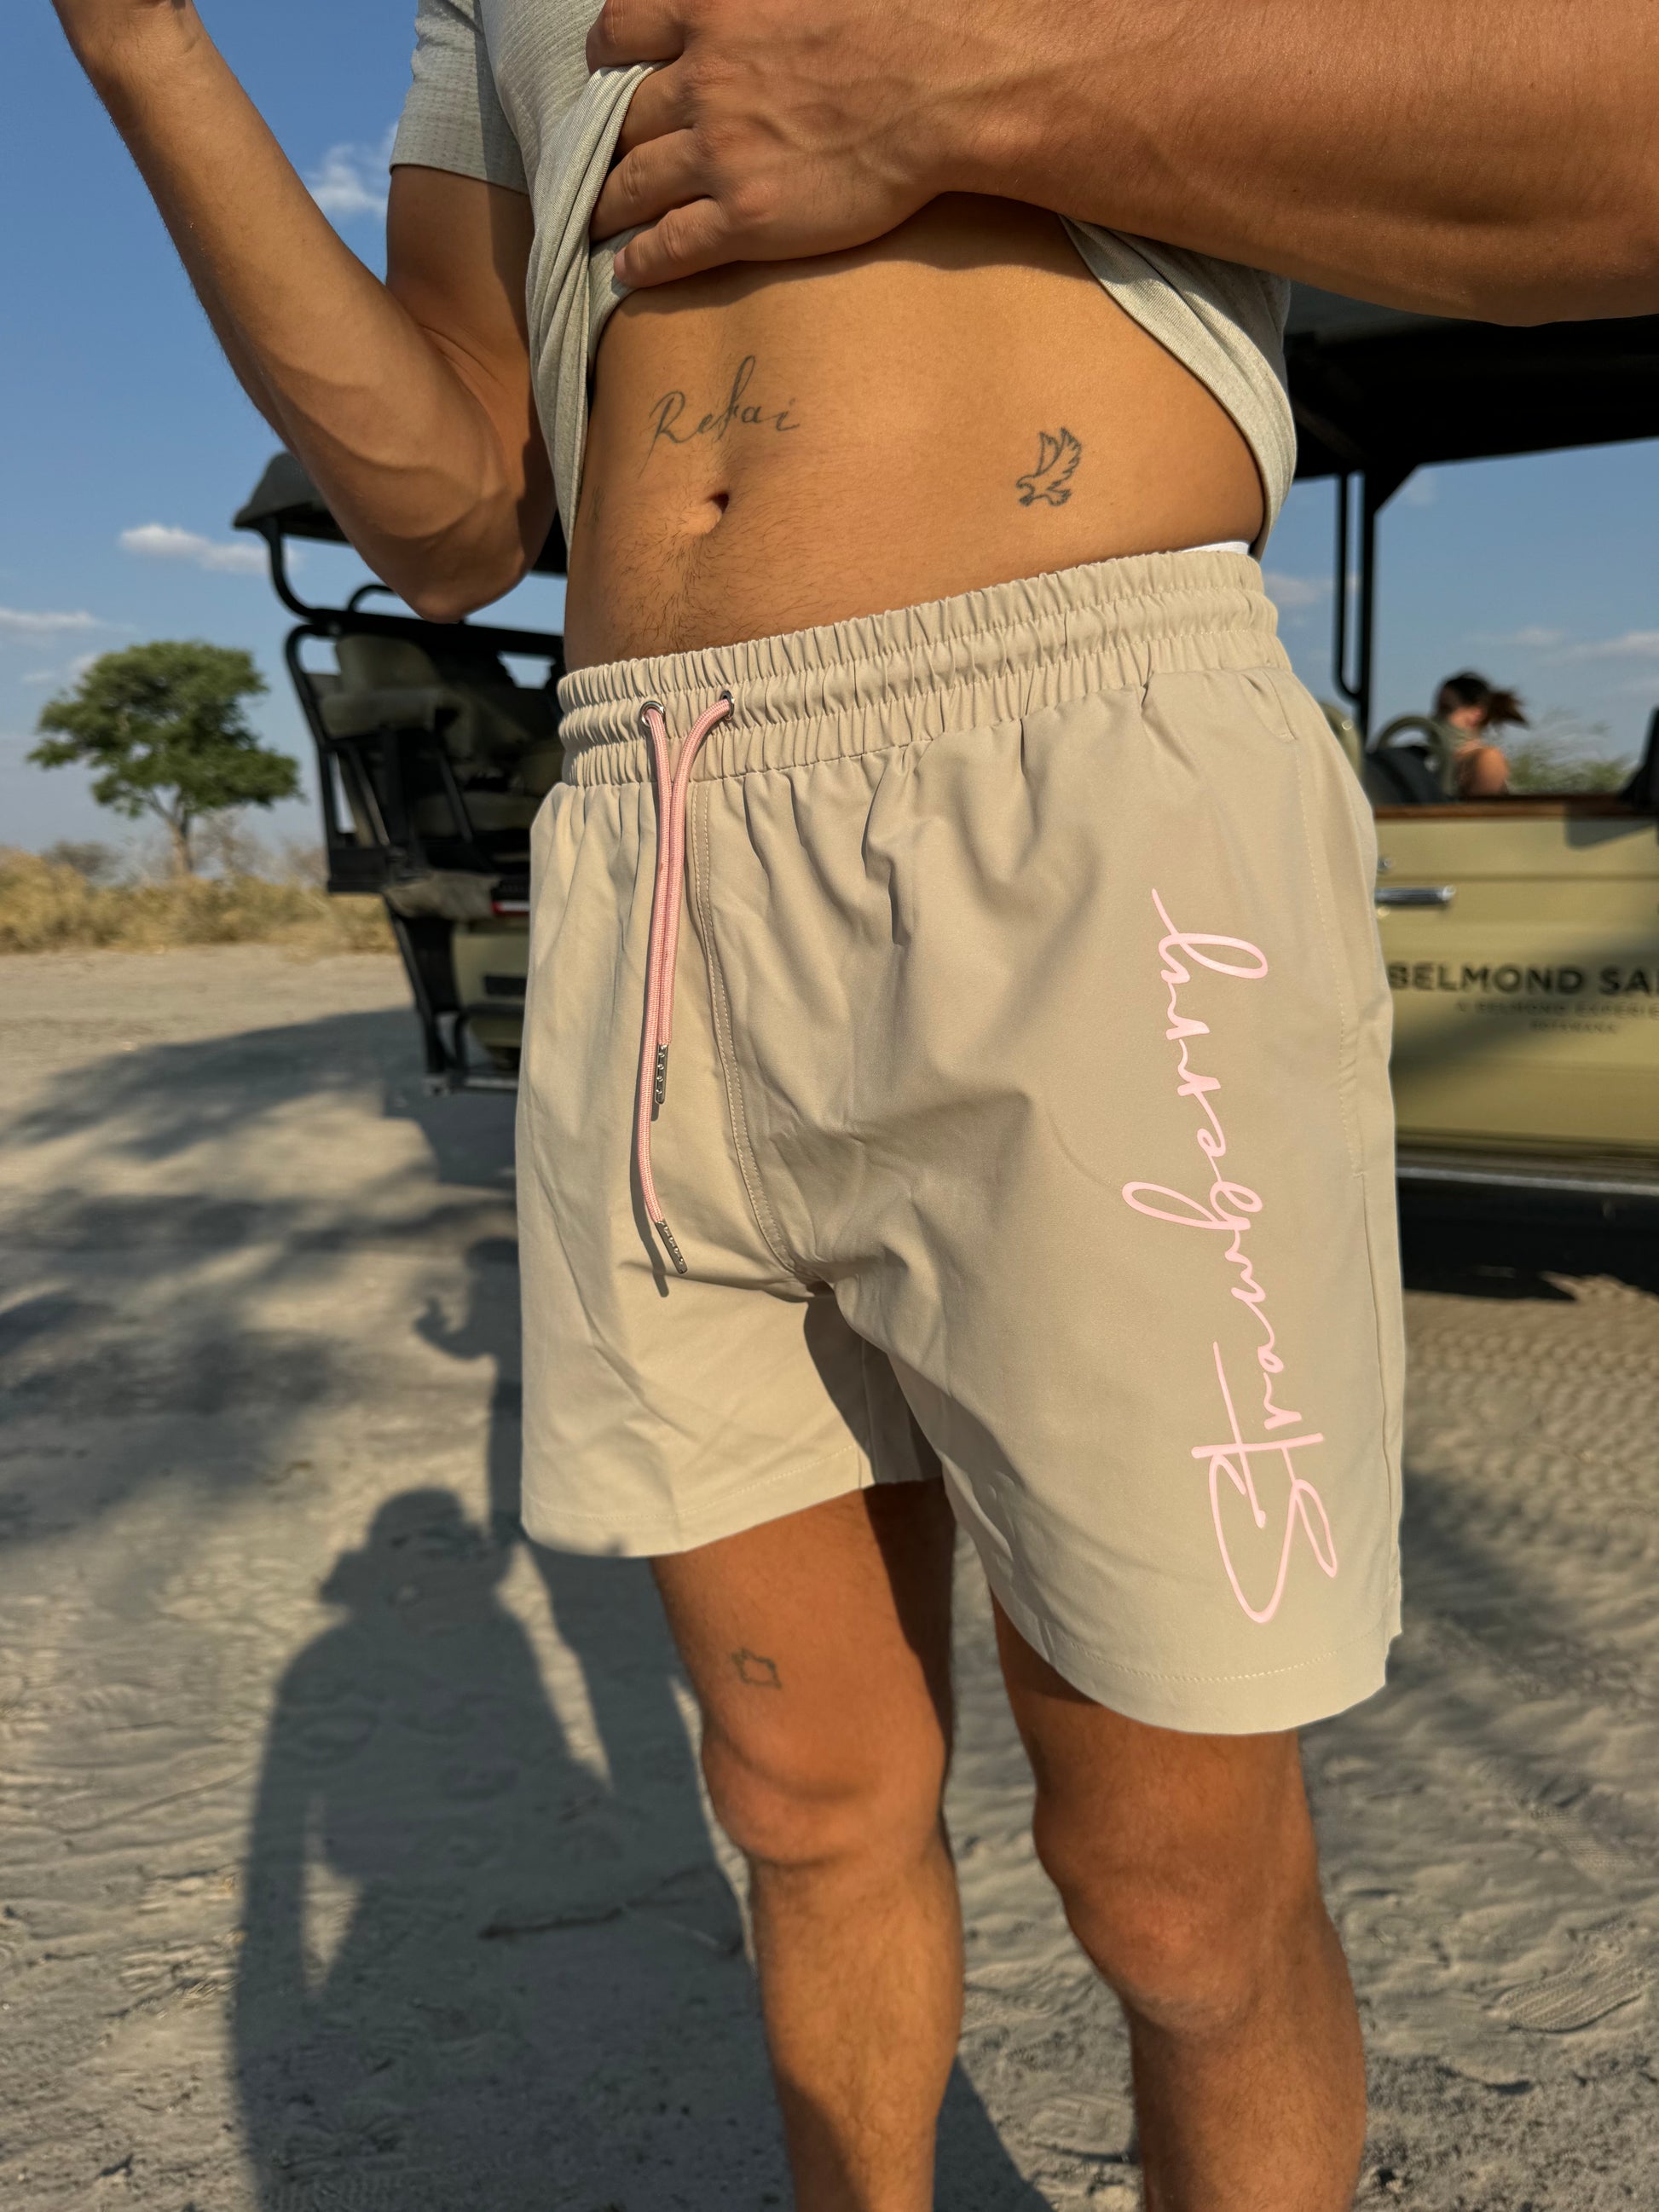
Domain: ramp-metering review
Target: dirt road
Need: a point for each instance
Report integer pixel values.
(351, 1853)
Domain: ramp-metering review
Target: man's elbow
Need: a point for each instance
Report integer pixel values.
(450, 601)
(449, 591)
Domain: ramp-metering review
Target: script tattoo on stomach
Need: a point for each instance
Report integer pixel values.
(668, 414)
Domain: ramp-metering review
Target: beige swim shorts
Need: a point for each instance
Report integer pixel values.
(1027, 1093)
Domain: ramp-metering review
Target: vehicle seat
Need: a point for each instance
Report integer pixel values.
(492, 729)
(1411, 762)
(1402, 776)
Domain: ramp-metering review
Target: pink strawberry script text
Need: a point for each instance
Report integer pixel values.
(1229, 1209)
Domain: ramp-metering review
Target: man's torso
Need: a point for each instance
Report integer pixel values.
(774, 446)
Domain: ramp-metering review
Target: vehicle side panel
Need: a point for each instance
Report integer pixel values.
(1527, 1008)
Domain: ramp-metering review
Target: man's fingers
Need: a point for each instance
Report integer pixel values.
(761, 130)
(661, 174)
(686, 240)
(627, 31)
(658, 106)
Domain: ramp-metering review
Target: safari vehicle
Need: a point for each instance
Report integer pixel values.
(432, 759)
(1520, 934)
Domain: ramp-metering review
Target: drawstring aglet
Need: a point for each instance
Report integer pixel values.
(672, 1249)
(660, 1080)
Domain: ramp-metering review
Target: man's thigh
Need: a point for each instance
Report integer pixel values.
(819, 1646)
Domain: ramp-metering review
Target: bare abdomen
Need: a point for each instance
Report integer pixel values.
(774, 446)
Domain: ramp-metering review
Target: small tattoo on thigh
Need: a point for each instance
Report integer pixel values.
(758, 1672)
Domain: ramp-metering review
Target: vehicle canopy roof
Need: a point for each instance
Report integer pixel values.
(1378, 392)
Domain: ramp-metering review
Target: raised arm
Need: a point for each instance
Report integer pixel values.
(1494, 158)
(410, 402)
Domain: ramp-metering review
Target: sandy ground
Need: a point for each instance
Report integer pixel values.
(351, 1853)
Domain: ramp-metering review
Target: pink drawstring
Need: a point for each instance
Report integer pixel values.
(666, 896)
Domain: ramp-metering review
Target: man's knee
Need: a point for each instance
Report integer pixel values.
(791, 1802)
(1190, 1937)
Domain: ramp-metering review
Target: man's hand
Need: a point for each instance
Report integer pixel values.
(775, 129)
(1498, 159)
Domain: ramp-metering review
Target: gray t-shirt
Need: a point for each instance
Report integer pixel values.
(502, 92)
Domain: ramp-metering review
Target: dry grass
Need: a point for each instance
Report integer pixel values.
(46, 906)
(1541, 764)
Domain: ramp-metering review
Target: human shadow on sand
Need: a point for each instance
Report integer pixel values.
(161, 1291)
(489, 1953)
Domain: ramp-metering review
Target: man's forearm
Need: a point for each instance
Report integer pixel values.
(1496, 158)
(404, 453)
(1499, 158)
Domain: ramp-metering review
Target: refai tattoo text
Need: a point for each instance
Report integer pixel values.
(669, 425)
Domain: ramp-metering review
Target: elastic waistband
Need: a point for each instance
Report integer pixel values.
(960, 664)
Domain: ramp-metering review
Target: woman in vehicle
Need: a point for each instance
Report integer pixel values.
(936, 782)
(1473, 705)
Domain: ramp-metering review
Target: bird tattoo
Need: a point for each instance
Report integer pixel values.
(1058, 455)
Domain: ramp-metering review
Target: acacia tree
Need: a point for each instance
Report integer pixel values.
(162, 727)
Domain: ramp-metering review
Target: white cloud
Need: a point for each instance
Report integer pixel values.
(1634, 645)
(1532, 637)
(1422, 488)
(44, 622)
(352, 180)
(161, 541)
(1295, 594)
(70, 672)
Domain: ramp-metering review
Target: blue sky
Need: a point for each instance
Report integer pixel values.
(129, 445)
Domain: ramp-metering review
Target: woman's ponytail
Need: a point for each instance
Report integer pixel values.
(1497, 707)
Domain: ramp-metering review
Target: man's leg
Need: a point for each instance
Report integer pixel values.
(819, 1646)
(1187, 1869)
